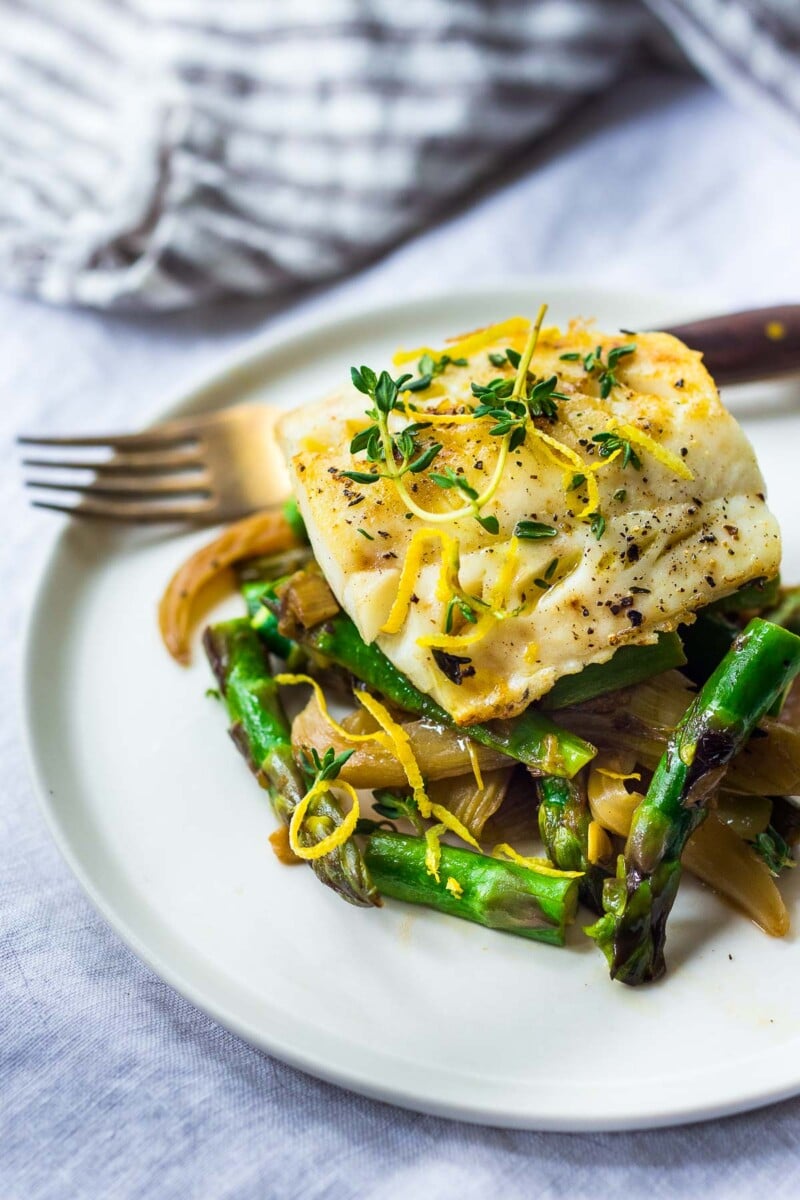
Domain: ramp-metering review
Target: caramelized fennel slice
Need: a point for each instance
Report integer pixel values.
(472, 805)
(441, 752)
(263, 533)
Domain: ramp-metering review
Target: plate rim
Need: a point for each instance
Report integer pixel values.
(253, 353)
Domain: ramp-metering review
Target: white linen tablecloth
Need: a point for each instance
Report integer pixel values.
(112, 1085)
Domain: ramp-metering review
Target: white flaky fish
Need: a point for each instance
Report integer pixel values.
(629, 549)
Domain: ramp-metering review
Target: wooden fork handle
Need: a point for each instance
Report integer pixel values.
(745, 347)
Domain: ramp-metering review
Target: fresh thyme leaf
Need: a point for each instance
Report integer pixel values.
(366, 439)
(427, 365)
(551, 567)
(364, 534)
(404, 443)
(358, 380)
(416, 385)
(365, 826)
(364, 380)
(620, 494)
(514, 358)
(385, 392)
(598, 524)
(534, 530)
(577, 481)
(361, 476)
(425, 459)
(775, 852)
(213, 694)
(490, 524)
(496, 359)
(572, 356)
(619, 352)
(448, 479)
(543, 584)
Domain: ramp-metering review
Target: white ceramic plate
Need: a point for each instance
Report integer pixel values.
(162, 824)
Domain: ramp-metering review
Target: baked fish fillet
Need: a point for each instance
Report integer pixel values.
(635, 551)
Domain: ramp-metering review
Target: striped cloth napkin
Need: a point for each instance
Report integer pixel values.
(159, 153)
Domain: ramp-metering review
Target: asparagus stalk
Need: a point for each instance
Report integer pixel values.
(630, 665)
(755, 597)
(532, 738)
(564, 820)
(264, 621)
(485, 890)
(706, 643)
(261, 730)
(761, 663)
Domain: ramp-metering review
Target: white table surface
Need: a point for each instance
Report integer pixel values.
(112, 1085)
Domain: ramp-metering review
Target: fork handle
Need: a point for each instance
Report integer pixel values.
(744, 347)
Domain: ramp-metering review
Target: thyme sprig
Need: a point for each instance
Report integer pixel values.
(603, 371)
(511, 409)
(612, 443)
(400, 452)
(774, 850)
(512, 403)
(391, 807)
(327, 767)
(428, 368)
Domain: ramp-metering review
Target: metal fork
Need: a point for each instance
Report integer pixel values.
(202, 469)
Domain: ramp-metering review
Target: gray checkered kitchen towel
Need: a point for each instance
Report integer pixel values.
(158, 153)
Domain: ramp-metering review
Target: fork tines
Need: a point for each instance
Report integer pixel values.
(153, 476)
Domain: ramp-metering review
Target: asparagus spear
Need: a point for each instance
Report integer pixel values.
(493, 893)
(706, 643)
(761, 663)
(261, 731)
(630, 665)
(532, 738)
(754, 597)
(564, 820)
(265, 622)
